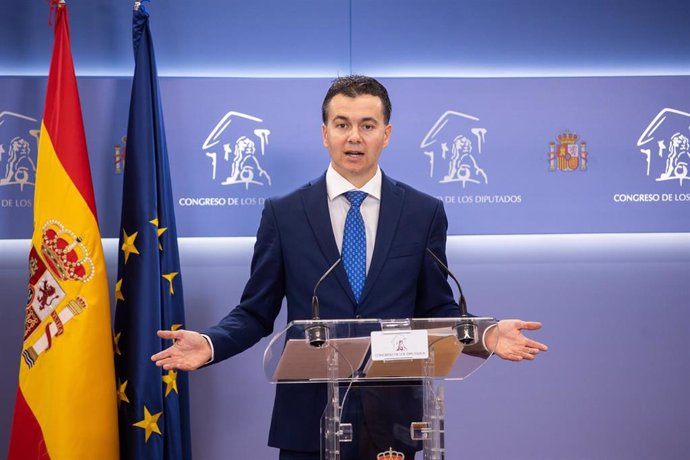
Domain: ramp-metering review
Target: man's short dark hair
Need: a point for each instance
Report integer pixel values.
(357, 85)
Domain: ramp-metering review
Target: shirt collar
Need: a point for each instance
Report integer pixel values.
(336, 184)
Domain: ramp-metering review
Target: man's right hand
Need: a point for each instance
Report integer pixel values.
(189, 351)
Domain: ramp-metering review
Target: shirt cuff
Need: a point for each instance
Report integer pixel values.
(483, 339)
(210, 344)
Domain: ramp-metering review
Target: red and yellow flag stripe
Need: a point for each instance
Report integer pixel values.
(66, 404)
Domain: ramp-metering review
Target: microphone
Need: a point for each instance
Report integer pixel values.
(317, 335)
(465, 330)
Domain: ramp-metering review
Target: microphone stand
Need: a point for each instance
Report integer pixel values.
(465, 330)
(317, 334)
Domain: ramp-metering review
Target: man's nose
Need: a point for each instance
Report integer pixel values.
(354, 136)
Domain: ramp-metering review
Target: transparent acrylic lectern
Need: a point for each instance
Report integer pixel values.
(384, 378)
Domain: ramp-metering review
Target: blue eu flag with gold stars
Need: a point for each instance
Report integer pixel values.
(153, 404)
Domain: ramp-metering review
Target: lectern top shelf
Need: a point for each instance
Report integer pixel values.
(378, 350)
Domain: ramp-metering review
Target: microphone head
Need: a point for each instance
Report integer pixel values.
(466, 332)
(316, 335)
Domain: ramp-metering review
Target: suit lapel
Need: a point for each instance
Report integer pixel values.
(315, 200)
(392, 198)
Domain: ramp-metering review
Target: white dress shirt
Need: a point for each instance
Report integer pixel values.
(338, 206)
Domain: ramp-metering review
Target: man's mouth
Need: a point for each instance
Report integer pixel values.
(352, 153)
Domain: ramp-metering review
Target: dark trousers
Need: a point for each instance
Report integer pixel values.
(381, 417)
(291, 455)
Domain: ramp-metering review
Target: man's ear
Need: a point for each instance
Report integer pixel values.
(324, 131)
(387, 134)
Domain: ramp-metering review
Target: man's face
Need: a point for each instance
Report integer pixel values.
(355, 134)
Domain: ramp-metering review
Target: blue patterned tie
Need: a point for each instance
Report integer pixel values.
(354, 251)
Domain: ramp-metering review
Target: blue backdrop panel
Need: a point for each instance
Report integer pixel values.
(519, 155)
(208, 37)
(530, 37)
(386, 38)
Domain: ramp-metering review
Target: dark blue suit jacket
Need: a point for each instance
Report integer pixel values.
(295, 246)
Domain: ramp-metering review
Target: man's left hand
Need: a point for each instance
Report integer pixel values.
(512, 344)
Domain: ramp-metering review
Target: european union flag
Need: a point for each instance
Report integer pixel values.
(153, 403)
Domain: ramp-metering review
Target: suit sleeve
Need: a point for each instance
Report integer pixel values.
(262, 298)
(434, 294)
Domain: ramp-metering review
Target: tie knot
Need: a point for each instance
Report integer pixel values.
(355, 197)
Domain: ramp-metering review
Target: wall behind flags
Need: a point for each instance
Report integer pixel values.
(556, 133)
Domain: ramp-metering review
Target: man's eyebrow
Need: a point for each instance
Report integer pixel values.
(365, 119)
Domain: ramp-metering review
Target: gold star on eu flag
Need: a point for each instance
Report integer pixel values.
(169, 277)
(161, 230)
(118, 290)
(121, 395)
(128, 244)
(116, 343)
(170, 381)
(149, 423)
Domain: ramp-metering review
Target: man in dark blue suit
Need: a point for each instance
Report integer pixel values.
(302, 234)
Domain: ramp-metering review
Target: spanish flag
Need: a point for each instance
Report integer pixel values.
(66, 406)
